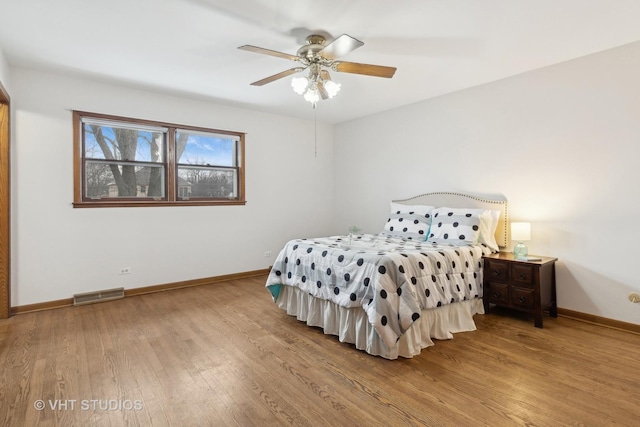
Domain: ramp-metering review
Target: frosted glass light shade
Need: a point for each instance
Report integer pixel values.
(520, 231)
(332, 88)
(299, 84)
(317, 83)
(312, 95)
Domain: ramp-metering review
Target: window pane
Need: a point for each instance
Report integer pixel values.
(113, 142)
(199, 148)
(207, 183)
(123, 180)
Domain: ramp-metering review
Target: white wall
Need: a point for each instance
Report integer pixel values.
(58, 251)
(561, 143)
(4, 71)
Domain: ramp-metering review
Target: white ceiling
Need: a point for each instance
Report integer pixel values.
(189, 47)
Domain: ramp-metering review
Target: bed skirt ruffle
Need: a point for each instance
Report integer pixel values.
(351, 325)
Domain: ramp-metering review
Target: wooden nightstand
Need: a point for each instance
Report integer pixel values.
(521, 285)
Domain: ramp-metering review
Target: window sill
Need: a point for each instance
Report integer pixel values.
(148, 203)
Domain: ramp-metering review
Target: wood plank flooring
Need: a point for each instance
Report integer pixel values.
(225, 355)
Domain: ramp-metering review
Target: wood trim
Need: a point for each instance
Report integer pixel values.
(147, 204)
(40, 306)
(195, 282)
(77, 157)
(5, 203)
(49, 305)
(600, 321)
(240, 164)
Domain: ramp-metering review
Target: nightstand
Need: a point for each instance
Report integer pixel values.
(528, 286)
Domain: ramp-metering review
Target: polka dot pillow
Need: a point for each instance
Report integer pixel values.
(455, 225)
(408, 221)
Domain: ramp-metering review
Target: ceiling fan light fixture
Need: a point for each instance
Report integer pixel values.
(299, 84)
(332, 88)
(318, 85)
(312, 95)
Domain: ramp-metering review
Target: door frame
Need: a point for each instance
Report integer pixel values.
(5, 203)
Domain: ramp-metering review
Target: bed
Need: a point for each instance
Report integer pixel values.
(390, 294)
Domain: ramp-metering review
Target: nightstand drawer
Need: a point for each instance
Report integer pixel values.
(498, 293)
(522, 297)
(522, 275)
(497, 271)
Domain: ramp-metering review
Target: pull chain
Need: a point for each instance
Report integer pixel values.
(315, 131)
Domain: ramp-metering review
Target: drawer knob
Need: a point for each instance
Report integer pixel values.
(522, 276)
(496, 294)
(522, 300)
(495, 272)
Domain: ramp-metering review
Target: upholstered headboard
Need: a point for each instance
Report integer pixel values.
(459, 200)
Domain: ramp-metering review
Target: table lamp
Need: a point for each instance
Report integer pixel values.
(520, 231)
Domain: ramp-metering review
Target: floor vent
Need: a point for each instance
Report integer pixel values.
(98, 296)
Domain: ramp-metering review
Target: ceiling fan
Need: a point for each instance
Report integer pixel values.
(319, 58)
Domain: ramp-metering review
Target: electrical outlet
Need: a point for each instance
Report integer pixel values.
(125, 270)
(634, 297)
(267, 253)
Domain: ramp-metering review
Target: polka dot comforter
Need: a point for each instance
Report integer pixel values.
(391, 278)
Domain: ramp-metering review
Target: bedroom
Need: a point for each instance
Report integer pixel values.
(560, 142)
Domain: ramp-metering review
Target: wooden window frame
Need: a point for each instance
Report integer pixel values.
(170, 163)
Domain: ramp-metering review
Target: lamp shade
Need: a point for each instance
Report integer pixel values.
(299, 84)
(520, 231)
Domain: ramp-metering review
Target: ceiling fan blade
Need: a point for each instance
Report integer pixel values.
(322, 91)
(340, 47)
(366, 69)
(270, 52)
(277, 76)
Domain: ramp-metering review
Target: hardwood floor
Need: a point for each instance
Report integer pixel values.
(224, 354)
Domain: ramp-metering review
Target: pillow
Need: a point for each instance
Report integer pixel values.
(456, 225)
(488, 223)
(408, 221)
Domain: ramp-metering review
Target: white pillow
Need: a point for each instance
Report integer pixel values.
(488, 224)
(408, 221)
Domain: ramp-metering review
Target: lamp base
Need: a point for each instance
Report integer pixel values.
(520, 251)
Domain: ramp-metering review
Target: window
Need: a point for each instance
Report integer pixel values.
(130, 162)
